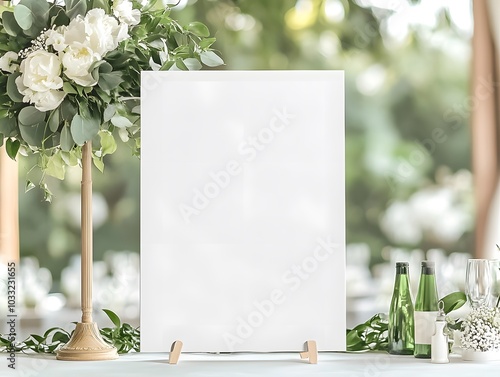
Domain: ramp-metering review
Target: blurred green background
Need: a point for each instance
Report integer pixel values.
(407, 140)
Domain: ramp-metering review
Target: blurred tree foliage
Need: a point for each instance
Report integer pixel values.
(407, 113)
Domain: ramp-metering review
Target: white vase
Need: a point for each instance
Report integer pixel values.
(471, 355)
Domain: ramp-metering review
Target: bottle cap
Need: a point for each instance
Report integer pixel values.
(441, 315)
(428, 267)
(402, 267)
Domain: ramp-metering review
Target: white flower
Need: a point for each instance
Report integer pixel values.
(6, 62)
(55, 38)
(481, 329)
(123, 10)
(77, 60)
(46, 101)
(103, 32)
(39, 80)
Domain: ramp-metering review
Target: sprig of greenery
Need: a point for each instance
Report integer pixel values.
(372, 335)
(123, 336)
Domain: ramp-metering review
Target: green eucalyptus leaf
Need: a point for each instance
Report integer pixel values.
(24, 16)
(29, 116)
(108, 143)
(55, 166)
(68, 110)
(67, 141)
(109, 81)
(8, 126)
(120, 121)
(68, 88)
(1, 139)
(69, 158)
(12, 90)
(75, 8)
(99, 164)
(103, 4)
(83, 129)
(54, 120)
(211, 59)
(33, 135)
(109, 112)
(10, 24)
(199, 29)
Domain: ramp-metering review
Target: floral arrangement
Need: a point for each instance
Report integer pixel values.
(481, 329)
(71, 73)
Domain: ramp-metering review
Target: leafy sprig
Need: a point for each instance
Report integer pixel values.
(372, 335)
(123, 336)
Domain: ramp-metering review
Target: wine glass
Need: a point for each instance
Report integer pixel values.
(478, 281)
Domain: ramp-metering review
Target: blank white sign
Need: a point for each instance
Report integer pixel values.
(242, 210)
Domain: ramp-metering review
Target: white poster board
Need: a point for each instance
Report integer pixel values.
(242, 210)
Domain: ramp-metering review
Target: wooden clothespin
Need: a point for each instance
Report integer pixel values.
(311, 352)
(175, 352)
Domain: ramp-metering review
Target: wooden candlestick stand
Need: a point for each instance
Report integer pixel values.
(86, 342)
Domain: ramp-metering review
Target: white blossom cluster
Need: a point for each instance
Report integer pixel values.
(68, 51)
(481, 329)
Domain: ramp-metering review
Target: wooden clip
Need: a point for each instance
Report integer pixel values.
(311, 352)
(175, 352)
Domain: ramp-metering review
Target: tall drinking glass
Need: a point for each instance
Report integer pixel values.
(478, 282)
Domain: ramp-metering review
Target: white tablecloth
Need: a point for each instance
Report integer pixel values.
(239, 365)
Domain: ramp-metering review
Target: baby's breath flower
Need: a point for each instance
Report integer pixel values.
(481, 329)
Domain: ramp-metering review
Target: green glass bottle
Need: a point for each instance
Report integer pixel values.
(426, 310)
(401, 330)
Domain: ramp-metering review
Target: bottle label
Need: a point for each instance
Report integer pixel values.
(424, 326)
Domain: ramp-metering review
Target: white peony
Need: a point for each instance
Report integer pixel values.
(40, 80)
(77, 60)
(46, 101)
(103, 31)
(56, 39)
(123, 10)
(6, 62)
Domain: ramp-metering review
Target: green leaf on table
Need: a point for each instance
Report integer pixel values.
(12, 90)
(83, 129)
(199, 29)
(108, 143)
(453, 301)
(113, 317)
(211, 59)
(29, 116)
(12, 147)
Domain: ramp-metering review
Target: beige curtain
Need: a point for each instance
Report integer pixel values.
(9, 213)
(484, 122)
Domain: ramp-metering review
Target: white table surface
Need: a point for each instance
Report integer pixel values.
(239, 365)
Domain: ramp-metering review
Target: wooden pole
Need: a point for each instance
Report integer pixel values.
(86, 343)
(9, 209)
(87, 239)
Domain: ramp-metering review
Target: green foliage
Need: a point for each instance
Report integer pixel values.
(123, 336)
(372, 335)
(107, 109)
